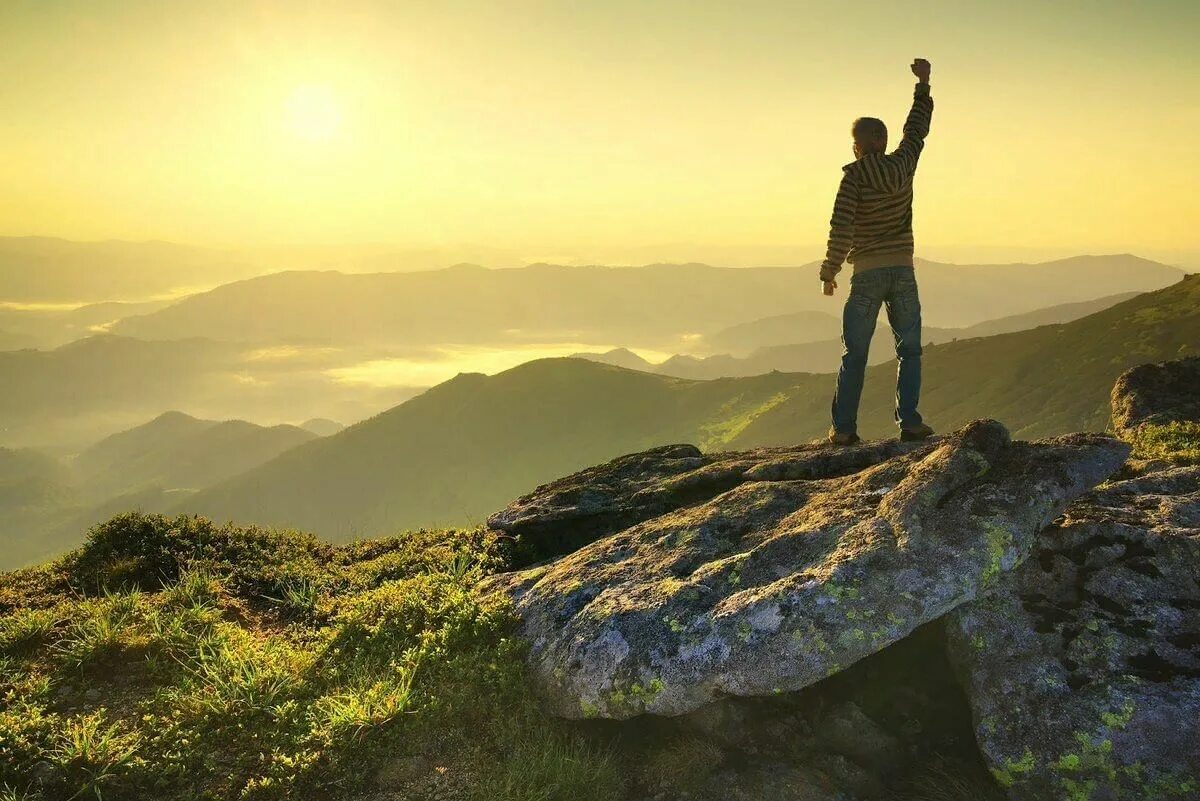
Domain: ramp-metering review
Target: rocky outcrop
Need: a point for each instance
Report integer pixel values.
(566, 514)
(1157, 394)
(1083, 668)
(813, 560)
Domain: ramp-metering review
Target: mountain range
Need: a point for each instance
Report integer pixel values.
(459, 450)
(786, 352)
(47, 501)
(653, 306)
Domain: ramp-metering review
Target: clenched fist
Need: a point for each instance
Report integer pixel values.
(920, 68)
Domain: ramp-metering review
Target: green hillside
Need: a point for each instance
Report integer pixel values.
(47, 504)
(466, 447)
(790, 344)
(1048, 380)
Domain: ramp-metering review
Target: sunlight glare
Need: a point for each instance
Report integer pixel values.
(314, 113)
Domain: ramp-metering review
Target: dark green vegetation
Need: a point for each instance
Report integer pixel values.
(1049, 380)
(465, 448)
(650, 306)
(178, 660)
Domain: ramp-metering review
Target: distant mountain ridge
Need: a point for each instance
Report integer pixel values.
(449, 454)
(47, 502)
(824, 354)
(69, 397)
(45, 269)
(178, 451)
(602, 305)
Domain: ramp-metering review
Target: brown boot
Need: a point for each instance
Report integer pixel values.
(913, 434)
(836, 437)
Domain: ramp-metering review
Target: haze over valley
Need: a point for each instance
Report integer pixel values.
(117, 388)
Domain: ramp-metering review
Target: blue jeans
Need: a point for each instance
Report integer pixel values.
(895, 287)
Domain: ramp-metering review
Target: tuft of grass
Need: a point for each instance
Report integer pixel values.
(543, 764)
(100, 630)
(296, 596)
(949, 781)
(8, 793)
(368, 706)
(92, 752)
(684, 763)
(26, 628)
(1174, 442)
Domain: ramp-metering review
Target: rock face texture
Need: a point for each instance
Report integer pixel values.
(1083, 669)
(567, 514)
(1157, 394)
(812, 561)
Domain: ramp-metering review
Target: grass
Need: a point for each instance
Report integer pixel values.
(1174, 442)
(177, 659)
(180, 660)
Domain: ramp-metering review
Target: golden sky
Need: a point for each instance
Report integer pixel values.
(560, 125)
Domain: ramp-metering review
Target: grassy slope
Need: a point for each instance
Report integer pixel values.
(465, 448)
(178, 660)
(181, 661)
(1049, 380)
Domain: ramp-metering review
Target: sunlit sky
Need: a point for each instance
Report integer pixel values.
(548, 126)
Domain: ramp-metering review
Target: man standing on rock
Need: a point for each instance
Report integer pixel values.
(872, 229)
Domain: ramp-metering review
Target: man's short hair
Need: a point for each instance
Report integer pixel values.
(868, 129)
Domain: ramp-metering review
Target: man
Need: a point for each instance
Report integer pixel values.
(871, 229)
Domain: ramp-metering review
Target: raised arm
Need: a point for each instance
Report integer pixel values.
(841, 229)
(916, 127)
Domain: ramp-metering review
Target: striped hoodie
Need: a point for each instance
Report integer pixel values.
(872, 215)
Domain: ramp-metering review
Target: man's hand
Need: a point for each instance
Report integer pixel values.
(827, 287)
(920, 68)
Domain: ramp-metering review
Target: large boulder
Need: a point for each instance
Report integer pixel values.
(790, 576)
(1157, 394)
(566, 514)
(1083, 668)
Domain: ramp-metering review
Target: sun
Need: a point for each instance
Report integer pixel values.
(314, 113)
